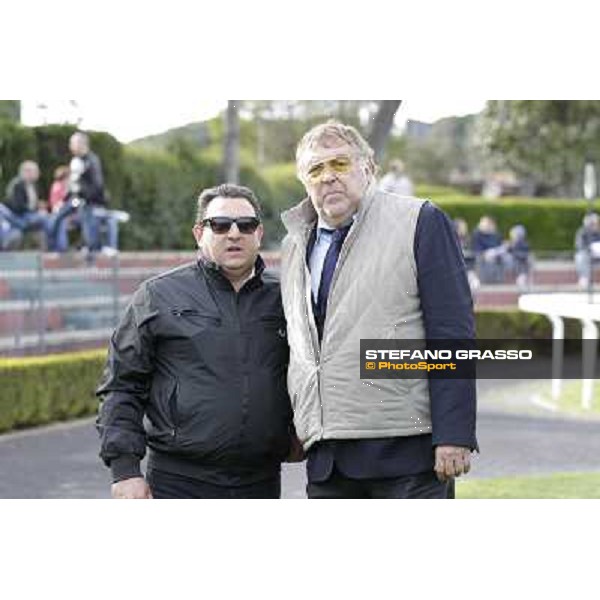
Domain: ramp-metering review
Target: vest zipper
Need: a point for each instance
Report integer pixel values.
(312, 333)
(343, 252)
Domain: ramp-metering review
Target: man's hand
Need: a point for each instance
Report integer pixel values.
(451, 461)
(135, 488)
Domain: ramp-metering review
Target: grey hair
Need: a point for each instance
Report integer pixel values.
(345, 133)
(225, 190)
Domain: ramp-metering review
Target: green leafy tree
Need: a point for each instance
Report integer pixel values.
(543, 141)
(450, 148)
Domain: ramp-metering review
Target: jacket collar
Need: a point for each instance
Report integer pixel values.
(300, 219)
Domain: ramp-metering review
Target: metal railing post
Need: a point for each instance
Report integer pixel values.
(41, 312)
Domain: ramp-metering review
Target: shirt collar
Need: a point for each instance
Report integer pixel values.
(325, 230)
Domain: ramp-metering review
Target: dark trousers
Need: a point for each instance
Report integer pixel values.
(422, 485)
(171, 486)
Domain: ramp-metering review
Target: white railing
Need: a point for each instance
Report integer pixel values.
(571, 306)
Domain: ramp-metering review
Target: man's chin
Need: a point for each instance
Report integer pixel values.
(336, 215)
(236, 265)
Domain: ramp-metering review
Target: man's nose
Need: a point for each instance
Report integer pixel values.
(328, 175)
(234, 232)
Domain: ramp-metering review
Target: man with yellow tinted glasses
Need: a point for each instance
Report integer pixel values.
(358, 263)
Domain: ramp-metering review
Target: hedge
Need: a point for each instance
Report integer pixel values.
(160, 193)
(499, 324)
(41, 390)
(17, 144)
(550, 224)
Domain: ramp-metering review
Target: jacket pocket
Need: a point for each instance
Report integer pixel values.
(162, 411)
(190, 322)
(195, 315)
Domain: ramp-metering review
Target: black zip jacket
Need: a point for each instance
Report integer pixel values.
(91, 182)
(197, 373)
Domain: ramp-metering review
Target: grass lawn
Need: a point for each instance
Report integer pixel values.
(558, 485)
(569, 403)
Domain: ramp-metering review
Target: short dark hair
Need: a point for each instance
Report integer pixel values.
(225, 190)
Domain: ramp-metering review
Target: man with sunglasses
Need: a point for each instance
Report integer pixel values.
(359, 263)
(196, 369)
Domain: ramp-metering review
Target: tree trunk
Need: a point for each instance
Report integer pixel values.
(382, 126)
(231, 159)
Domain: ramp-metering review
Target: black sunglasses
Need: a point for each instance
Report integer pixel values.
(223, 224)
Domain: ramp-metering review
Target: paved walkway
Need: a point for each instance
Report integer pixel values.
(61, 461)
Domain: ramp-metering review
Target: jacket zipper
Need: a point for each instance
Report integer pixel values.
(173, 410)
(245, 378)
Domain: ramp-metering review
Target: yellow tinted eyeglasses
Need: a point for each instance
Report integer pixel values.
(339, 165)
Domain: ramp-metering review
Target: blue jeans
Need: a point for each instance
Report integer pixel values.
(60, 224)
(29, 221)
(90, 218)
(9, 235)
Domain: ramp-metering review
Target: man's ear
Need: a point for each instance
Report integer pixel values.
(198, 231)
(260, 231)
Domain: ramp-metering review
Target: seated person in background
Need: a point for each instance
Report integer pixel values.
(59, 189)
(396, 181)
(517, 248)
(586, 239)
(21, 208)
(462, 233)
(491, 256)
(86, 197)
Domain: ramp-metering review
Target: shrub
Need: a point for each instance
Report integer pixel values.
(551, 224)
(284, 191)
(41, 390)
(160, 192)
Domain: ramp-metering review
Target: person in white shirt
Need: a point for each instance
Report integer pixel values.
(396, 181)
